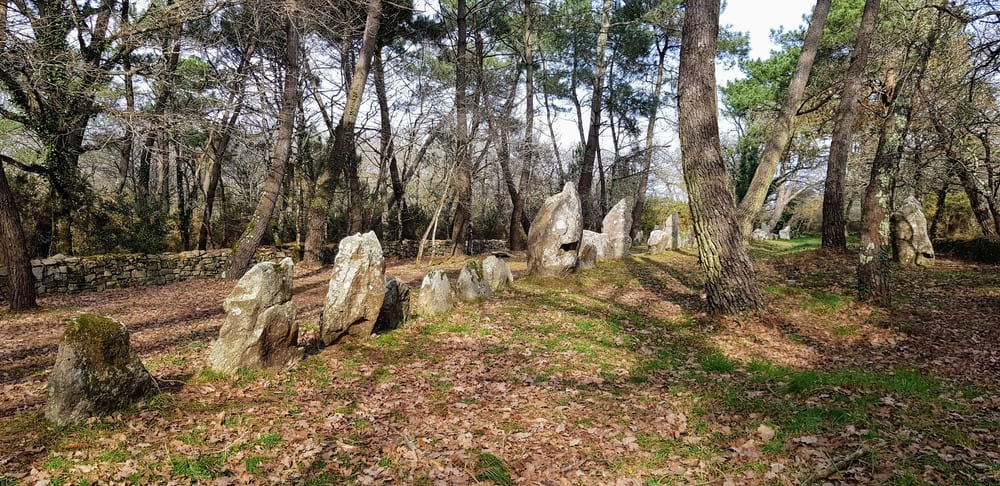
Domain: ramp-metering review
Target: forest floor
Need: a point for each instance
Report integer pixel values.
(612, 375)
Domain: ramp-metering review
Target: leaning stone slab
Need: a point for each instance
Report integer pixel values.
(260, 329)
(616, 225)
(395, 306)
(911, 244)
(96, 372)
(436, 295)
(471, 285)
(357, 289)
(554, 237)
(497, 273)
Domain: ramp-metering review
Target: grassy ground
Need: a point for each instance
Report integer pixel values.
(614, 374)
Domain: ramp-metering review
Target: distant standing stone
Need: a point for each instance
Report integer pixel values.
(395, 307)
(674, 226)
(785, 233)
(357, 289)
(436, 295)
(760, 234)
(911, 245)
(260, 329)
(497, 273)
(96, 371)
(471, 285)
(659, 242)
(616, 225)
(554, 237)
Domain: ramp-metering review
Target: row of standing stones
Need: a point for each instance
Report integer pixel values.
(97, 371)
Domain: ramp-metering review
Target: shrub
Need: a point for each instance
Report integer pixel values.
(982, 249)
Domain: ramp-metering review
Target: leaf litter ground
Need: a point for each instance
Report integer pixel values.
(613, 375)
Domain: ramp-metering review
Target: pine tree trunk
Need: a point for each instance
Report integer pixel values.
(463, 176)
(20, 281)
(518, 234)
(647, 155)
(731, 283)
(834, 223)
(593, 143)
(239, 260)
(781, 129)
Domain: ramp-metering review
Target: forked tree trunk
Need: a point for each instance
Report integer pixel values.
(20, 281)
(518, 234)
(463, 177)
(834, 222)
(781, 129)
(647, 155)
(593, 144)
(343, 152)
(731, 284)
(246, 246)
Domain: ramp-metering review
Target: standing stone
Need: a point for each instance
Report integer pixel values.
(357, 289)
(260, 329)
(601, 243)
(638, 237)
(760, 234)
(659, 242)
(471, 285)
(911, 244)
(497, 273)
(785, 233)
(436, 295)
(395, 306)
(674, 226)
(96, 371)
(554, 237)
(616, 225)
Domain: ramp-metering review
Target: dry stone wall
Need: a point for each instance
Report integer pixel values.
(409, 248)
(63, 275)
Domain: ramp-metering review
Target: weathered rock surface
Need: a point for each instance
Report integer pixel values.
(911, 244)
(357, 289)
(554, 237)
(260, 329)
(96, 371)
(472, 285)
(616, 225)
(497, 273)
(760, 234)
(639, 237)
(785, 233)
(659, 242)
(674, 227)
(595, 247)
(395, 306)
(436, 295)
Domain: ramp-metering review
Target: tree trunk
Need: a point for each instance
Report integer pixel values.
(344, 153)
(876, 251)
(834, 222)
(939, 207)
(239, 260)
(20, 281)
(463, 176)
(781, 129)
(518, 235)
(647, 155)
(593, 136)
(731, 283)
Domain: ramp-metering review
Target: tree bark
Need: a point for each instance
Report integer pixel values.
(463, 176)
(344, 153)
(239, 260)
(20, 281)
(781, 129)
(647, 155)
(834, 222)
(593, 143)
(731, 283)
(518, 235)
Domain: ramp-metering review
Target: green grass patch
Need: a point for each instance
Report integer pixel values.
(204, 467)
(490, 468)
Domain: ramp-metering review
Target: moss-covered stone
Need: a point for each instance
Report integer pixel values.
(96, 371)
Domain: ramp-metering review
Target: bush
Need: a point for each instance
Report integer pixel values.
(982, 249)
